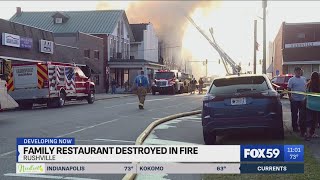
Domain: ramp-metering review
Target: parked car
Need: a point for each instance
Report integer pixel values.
(281, 83)
(241, 103)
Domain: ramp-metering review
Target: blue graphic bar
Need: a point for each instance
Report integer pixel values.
(45, 141)
(293, 153)
(272, 153)
(262, 168)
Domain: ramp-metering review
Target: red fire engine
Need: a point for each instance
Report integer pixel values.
(48, 82)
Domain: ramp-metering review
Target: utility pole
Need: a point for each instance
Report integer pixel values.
(255, 48)
(206, 67)
(264, 6)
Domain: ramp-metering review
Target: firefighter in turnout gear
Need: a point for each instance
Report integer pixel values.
(142, 84)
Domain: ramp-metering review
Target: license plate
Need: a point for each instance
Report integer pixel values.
(238, 101)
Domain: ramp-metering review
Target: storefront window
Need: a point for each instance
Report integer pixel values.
(126, 75)
(315, 68)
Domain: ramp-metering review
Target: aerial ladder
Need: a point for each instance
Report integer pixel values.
(226, 60)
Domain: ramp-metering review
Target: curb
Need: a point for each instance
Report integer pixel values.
(151, 126)
(114, 97)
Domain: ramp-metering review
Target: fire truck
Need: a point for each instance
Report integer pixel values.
(168, 82)
(50, 83)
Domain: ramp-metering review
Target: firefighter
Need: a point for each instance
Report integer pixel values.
(193, 85)
(142, 84)
(201, 86)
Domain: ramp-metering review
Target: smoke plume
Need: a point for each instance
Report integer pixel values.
(167, 17)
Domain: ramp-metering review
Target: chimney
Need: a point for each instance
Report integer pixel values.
(18, 11)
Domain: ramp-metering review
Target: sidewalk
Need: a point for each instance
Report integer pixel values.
(102, 96)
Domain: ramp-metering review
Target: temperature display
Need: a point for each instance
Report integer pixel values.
(293, 153)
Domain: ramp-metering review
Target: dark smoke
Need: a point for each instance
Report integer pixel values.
(167, 17)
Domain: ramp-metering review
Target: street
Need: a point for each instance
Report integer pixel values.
(112, 121)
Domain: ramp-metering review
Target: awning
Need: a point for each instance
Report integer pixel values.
(19, 59)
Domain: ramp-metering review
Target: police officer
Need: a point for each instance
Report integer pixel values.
(142, 84)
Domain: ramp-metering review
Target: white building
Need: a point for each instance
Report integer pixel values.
(146, 42)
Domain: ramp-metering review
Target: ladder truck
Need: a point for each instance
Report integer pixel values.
(225, 58)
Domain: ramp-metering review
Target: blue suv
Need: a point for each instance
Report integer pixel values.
(240, 103)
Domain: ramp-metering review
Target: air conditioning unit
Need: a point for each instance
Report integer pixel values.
(119, 55)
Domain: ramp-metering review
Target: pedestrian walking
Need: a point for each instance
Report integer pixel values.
(113, 86)
(297, 84)
(142, 84)
(193, 84)
(201, 82)
(313, 105)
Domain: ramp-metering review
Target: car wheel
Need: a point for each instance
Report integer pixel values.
(91, 97)
(61, 100)
(209, 138)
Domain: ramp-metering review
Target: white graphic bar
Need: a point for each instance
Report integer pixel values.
(127, 153)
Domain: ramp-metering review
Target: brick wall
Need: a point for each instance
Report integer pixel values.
(24, 31)
(278, 45)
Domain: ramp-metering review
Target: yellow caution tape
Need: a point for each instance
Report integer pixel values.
(301, 93)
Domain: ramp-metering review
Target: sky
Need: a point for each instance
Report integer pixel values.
(232, 22)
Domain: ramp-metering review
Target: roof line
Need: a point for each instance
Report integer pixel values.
(301, 23)
(28, 26)
(71, 11)
(66, 46)
(89, 34)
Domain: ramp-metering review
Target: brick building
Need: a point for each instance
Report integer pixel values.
(297, 44)
(110, 25)
(21, 43)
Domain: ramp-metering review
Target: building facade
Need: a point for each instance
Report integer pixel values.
(110, 25)
(146, 42)
(144, 55)
(297, 44)
(90, 50)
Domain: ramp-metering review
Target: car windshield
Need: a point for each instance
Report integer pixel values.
(164, 75)
(287, 79)
(280, 80)
(239, 85)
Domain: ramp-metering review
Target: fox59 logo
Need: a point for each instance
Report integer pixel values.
(262, 153)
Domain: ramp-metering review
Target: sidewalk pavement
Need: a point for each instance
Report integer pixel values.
(102, 96)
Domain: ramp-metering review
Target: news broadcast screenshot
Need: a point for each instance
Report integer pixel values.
(160, 90)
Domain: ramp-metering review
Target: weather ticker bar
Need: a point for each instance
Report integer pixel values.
(156, 168)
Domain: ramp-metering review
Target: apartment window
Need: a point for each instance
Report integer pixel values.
(114, 48)
(128, 47)
(96, 54)
(87, 53)
(122, 29)
(123, 49)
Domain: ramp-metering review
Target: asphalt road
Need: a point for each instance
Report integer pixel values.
(111, 122)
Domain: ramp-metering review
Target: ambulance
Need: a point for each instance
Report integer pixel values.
(51, 83)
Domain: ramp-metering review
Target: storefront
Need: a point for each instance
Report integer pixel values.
(125, 71)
